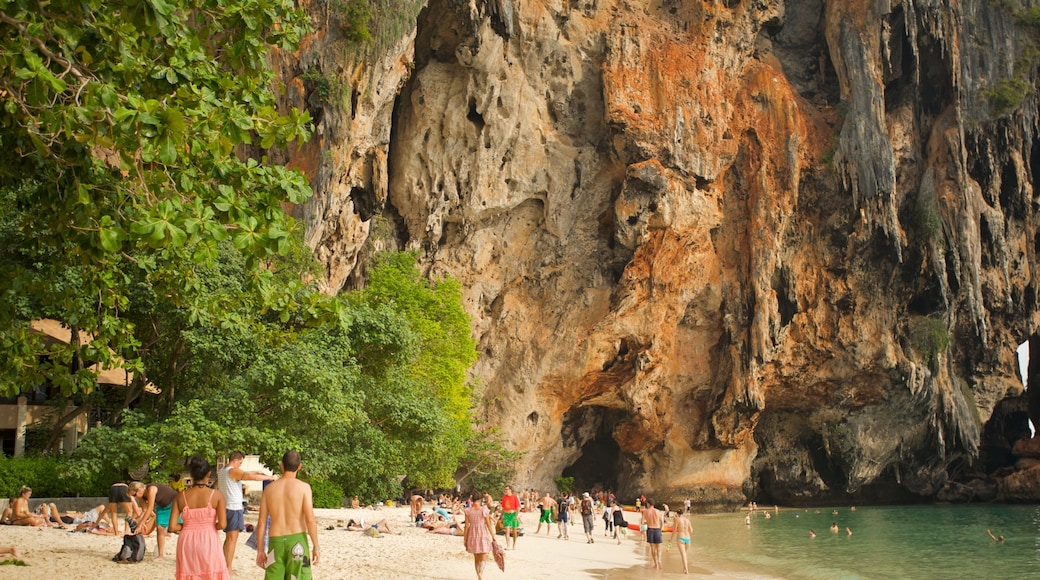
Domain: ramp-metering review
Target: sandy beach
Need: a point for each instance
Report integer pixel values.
(413, 553)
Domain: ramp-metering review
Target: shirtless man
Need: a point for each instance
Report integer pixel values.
(416, 502)
(288, 503)
(547, 503)
(654, 522)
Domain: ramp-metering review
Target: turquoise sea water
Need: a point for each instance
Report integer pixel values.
(913, 542)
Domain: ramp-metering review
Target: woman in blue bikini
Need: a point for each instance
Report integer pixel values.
(681, 529)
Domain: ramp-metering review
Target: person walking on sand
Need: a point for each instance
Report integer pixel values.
(587, 517)
(681, 529)
(230, 484)
(547, 504)
(563, 517)
(510, 505)
(617, 520)
(654, 523)
(478, 533)
(199, 552)
(289, 503)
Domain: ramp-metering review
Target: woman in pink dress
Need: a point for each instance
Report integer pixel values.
(479, 530)
(200, 552)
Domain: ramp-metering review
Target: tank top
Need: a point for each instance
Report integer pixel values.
(231, 488)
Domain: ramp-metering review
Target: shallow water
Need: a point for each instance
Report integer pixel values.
(912, 542)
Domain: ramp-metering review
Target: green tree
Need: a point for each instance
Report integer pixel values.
(433, 310)
(340, 387)
(122, 130)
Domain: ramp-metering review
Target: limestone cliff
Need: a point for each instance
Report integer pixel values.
(729, 250)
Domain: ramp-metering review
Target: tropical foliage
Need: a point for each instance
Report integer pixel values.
(122, 126)
(136, 207)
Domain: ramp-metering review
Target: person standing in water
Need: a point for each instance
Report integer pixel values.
(654, 523)
(681, 529)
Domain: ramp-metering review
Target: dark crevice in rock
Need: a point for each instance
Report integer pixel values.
(591, 429)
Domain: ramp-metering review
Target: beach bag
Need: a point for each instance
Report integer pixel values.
(499, 555)
(133, 549)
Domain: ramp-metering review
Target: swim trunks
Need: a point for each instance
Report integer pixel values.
(119, 493)
(288, 557)
(162, 516)
(546, 516)
(510, 520)
(653, 535)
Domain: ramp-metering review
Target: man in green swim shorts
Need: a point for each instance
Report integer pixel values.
(510, 518)
(288, 502)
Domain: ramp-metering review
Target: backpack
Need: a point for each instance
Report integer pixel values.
(586, 507)
(133, 549)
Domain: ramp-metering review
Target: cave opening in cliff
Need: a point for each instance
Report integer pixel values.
(592, 430)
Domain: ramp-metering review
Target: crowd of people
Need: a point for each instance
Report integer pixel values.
(479, 519)
(198, 512)
(212, 501)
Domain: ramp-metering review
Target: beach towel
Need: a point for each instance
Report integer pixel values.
(499, 554)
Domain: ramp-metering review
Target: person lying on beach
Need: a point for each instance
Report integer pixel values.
(446, 529)
(89, 516)
(995, 538)
(382, 526)
(10, 551)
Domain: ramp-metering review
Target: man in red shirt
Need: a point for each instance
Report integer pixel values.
(510, 516)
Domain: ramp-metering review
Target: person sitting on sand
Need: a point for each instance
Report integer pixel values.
(995, 538)
(20, 513)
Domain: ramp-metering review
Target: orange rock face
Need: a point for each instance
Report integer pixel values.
(730, 251)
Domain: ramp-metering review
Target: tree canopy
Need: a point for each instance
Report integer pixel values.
(137, 208)
(122, 130)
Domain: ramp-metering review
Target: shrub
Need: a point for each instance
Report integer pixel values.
(564, 484)
(326, 494)
(48, 476)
